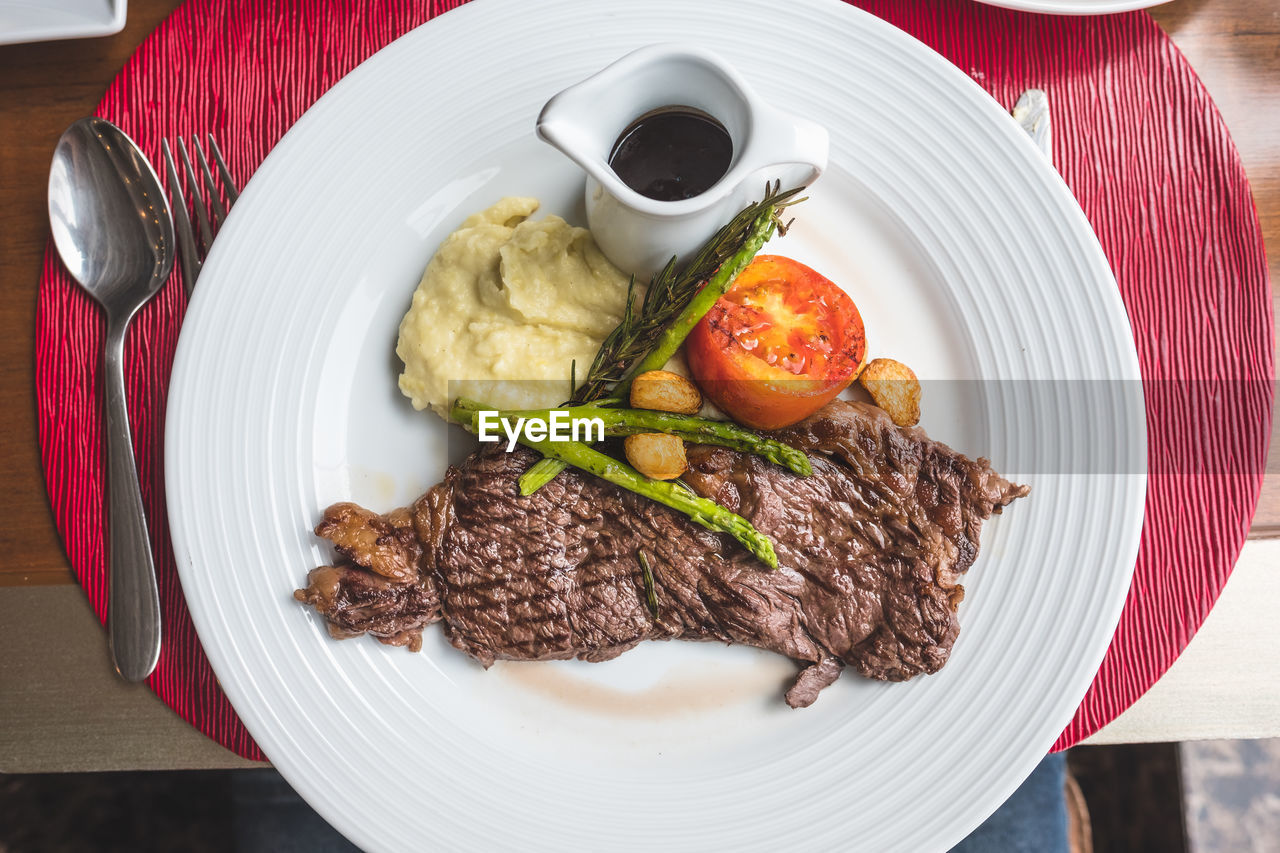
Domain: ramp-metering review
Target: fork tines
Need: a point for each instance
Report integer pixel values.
(210, 208)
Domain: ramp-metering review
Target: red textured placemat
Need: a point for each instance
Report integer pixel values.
(1135, 135)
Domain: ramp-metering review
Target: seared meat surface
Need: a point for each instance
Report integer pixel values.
(386, 544)
(871, 548)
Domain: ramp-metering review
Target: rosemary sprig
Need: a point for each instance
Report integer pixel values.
(671, 291)
(650, 592)
(673, 305)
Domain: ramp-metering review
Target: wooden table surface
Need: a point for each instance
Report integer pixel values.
(1233, 44)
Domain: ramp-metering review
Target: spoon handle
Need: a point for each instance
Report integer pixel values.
(133, 609)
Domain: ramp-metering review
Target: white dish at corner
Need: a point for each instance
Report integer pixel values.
(968, 257)
(48, 20)
(1075, 7)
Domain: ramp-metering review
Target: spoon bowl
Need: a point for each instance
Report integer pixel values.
(114, 231)
(110, 218)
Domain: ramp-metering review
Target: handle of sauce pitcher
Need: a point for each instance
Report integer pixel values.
(791, 140)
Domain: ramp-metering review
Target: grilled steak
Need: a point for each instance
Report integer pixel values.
(871, 548)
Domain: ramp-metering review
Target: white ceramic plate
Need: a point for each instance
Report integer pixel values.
(968, 258)
(46, 20)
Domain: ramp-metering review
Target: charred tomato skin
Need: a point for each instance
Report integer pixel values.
(780, 344)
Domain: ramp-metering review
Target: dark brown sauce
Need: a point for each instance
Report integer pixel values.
(672, 153)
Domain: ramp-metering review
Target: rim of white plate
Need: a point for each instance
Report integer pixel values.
(978, 199)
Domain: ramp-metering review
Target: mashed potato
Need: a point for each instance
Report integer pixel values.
(506, 298)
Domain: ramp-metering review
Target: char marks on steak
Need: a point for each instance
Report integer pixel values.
(871, 548)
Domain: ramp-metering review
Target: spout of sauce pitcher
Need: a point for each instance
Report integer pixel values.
(640, 234)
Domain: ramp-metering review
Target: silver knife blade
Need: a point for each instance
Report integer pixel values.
(1032, 115)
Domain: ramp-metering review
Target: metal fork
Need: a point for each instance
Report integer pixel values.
(191, 254)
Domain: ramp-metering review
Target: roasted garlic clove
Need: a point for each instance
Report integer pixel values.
(656, 455)
(894, 387)
(665, 391)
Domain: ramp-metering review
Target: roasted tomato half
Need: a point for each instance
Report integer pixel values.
(778, 346)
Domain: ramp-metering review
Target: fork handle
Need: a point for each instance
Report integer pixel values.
(133, 608)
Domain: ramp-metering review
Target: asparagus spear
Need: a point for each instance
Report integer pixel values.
(707, 513)
(690, 428)
(671, 337)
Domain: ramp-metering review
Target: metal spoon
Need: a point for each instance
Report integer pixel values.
(112, 226)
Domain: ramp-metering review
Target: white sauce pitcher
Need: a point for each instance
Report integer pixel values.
(640, 234)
